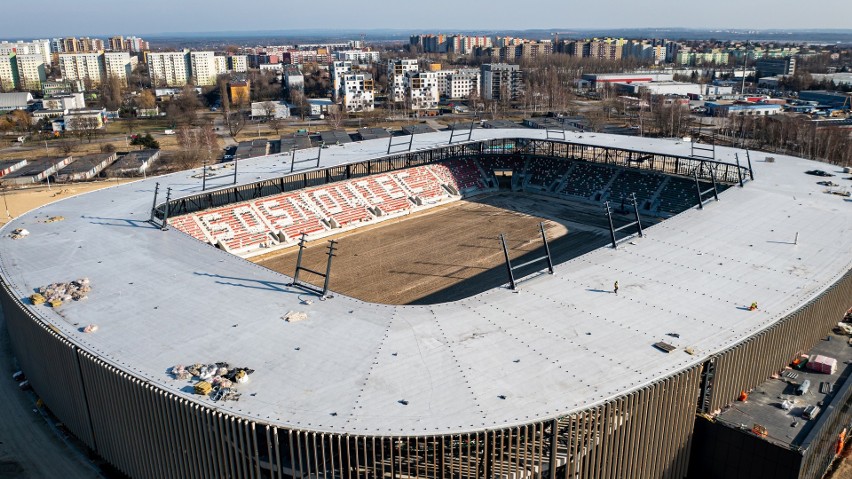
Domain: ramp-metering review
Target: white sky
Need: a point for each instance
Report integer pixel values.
(99, 17)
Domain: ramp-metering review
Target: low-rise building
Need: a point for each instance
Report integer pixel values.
(86, 167)
(15, 101)
(462, 84)
(134, 163)
(358, 56)
(743, 109)
(270, 109)
(71, 101)
(35, 171)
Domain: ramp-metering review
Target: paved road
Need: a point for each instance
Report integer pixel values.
(29, 447)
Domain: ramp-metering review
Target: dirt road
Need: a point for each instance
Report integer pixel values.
(29, 447)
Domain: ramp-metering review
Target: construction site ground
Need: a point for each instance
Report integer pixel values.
(450, 252)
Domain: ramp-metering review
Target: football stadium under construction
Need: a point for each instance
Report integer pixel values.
(139, 318)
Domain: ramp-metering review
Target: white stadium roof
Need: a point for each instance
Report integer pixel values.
(495, 359)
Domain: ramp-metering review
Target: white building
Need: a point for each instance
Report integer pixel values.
(397, 70)
(358, 92)
(422, 90)
(169, 69)
(81, 66)
(238, 63)
(35, 47)
(262, 109)
(221, 62)
(31, 73)
(458, 83)
(203, 68)
(72, 101)
(358, 56)
(337, 71)
(118, 65)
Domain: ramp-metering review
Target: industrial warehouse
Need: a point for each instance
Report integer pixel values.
(138, 320)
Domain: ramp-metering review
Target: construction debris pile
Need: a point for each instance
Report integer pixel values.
(57, 293)
(215, 380)
(19, 233)
(54, 219)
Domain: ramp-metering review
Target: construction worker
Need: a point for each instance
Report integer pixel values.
(615, 288)
(753, 306)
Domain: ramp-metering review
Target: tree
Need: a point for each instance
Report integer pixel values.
(22, 120)
(275, 124)
(269, 109)
(147, 141)
(235, 121)
(112, 93)
(145, 100)
(65, 147)
(83, 127)
(196, 146)
(107, 148)
(335, 116)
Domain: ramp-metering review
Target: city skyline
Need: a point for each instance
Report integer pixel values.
(99, 18)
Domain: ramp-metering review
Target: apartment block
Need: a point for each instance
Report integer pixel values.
(88, 67)
(337, 71)
(8, 72)
(357, 89)
(35, 47)
(462, 84)
(221, 64)
(31, 72)
(422, 90)
(358, 56)
(202, 68)
(169, 69)
(118, 65)
(501, 81)
(397, 70)
(238, 63)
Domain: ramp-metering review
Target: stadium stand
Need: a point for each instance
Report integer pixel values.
(544, 172)
(643, 184)
(586, 180)
(463, 174)
(280, 219)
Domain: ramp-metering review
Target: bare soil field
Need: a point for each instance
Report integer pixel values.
(451, 252)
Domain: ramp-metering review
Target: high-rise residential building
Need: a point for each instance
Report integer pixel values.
(358, 92)
(40, 47)
(397, 70)
(118, 65)
(31, 72)
(116, 43)
(462, 84)
(87, 67)
(221, 64)
(337, 71)
(202, 68)
(422, 90)
(169, 68)
(8, 72)
(238, 63)
(501, 81)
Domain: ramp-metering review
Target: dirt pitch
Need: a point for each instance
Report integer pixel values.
(450, 252)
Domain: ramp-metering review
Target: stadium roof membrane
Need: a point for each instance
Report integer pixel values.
(560, 344)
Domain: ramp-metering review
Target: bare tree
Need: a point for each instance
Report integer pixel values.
(235, 121)
(196, 146)
(275, 124)
(269, 109)
(83, 127)
(335, 116)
